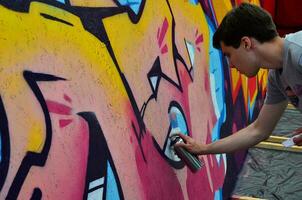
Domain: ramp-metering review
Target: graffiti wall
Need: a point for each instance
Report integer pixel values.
(86, 89)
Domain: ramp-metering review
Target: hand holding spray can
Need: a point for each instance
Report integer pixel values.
(189, 159)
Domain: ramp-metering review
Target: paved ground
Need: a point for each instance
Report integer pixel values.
(271, 174)
(291, 120)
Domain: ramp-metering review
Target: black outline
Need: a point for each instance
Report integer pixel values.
(37, 194)
(133, 17)
(46, 16)
(92, 21)
(32, 158)
(139, 137)
(23, 5)
(5, 144)
(191, 64)
(98, 152)
(175, 164)
(208, 12)
(155, 71)
(94, 189)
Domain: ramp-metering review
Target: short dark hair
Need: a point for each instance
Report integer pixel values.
(245, 20)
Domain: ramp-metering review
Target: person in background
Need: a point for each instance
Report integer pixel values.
(248, 38)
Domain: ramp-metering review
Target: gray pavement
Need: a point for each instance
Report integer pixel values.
(272, 174)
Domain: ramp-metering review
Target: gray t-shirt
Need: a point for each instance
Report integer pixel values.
(286, 84)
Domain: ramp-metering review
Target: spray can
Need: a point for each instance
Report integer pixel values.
(189, 159)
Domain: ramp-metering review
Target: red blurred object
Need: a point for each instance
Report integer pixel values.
(287, 14)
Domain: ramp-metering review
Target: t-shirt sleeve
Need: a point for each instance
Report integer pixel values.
(300, 63)
(273, 92)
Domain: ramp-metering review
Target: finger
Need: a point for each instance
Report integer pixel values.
(297, 139)
(181, 144)
(297, 131)
(184, 137)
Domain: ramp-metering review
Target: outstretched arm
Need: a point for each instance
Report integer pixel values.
(256, 132)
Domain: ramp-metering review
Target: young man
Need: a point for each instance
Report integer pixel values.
(248, 38)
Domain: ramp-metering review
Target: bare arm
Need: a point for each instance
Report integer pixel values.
(256, 132)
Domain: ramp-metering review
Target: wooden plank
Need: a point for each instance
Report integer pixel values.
(237, 197)
(276, 139)
(275, 143)
(280, 147)
(291, 106)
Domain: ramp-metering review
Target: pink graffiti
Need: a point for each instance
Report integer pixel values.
(161, 33)
(67, 98)
(157, 177)
(58, 108)
(64, 122)
(199, 39)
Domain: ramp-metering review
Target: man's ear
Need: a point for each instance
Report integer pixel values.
(246, 42)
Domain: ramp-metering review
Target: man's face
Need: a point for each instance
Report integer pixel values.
(241, 58)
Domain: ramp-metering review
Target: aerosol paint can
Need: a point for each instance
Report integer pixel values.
(189, 159)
